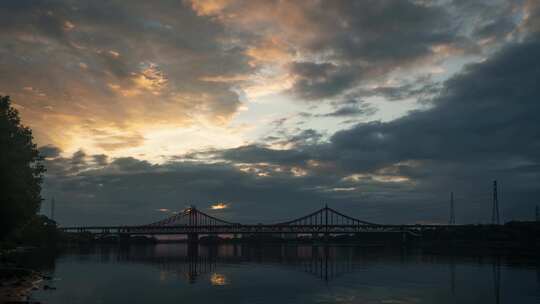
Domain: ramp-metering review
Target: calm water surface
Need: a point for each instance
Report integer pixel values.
(174, 273)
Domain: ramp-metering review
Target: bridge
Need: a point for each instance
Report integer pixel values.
(193, 222)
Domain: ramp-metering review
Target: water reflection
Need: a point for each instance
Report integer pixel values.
(497, 279)
(324, 262)
(191, 262)
(218, 279)
(351, 274)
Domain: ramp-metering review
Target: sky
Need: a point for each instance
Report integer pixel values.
(263, 111)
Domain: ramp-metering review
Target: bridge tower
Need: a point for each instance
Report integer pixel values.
(452, 220)
(193, 237)
(495, 219)
(326, 234)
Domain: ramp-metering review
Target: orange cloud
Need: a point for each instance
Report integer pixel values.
(271, 50)
(209, 7)
(219, 206)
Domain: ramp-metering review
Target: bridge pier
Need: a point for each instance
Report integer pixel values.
(193, 238)
(124, 237)
(193, 251)
(403, 237)
(235, 250)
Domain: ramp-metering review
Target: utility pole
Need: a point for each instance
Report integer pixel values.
(452, 220)
(537, 214)
(495, 219)
(52, 208)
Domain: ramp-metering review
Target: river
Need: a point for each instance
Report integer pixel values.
(243, 273)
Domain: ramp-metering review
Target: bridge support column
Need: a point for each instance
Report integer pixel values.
(193, 238)
(403, 237)
(193, 245)
(124, 237)
(314, 251)
(235, 250)
(193, 250)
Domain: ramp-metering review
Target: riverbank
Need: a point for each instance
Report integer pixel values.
(16, 281)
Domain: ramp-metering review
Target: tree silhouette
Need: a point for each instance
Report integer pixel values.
(21, 171)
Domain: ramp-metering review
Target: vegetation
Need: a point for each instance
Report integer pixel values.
(39, 231)
(21, 173)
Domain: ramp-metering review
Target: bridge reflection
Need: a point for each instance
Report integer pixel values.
(192, 262)
(200, 263)
(455, 274)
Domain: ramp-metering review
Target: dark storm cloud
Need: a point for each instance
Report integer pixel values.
(487, 102)
(371, 39)
(422, 89)
(491, 19)
(319, 80)
(255, 154)
(305, 137)
(49, 151)
(374, 38)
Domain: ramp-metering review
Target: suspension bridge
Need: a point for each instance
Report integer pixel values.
(193, 222)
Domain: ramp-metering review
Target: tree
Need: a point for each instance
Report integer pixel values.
(21, 171)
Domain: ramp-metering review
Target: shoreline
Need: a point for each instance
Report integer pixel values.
(18, 283)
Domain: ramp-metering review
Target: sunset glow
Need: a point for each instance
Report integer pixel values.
(219, 206)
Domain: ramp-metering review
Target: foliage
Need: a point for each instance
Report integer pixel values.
(21, 171)
(38, 231)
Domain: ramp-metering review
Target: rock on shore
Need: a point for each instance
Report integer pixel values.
(17, 283)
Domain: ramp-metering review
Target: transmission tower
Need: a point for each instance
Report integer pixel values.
(452, 220)
(495, 219)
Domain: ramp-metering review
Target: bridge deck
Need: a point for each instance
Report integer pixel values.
(253, 229)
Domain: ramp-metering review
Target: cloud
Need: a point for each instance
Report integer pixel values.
(483, 126)
(351, 110)
(100, 159)
(111, 66)
(129, 70)
(105, 76)
(49, 151)
(257, 154)
(329, 48)
(219, 206)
